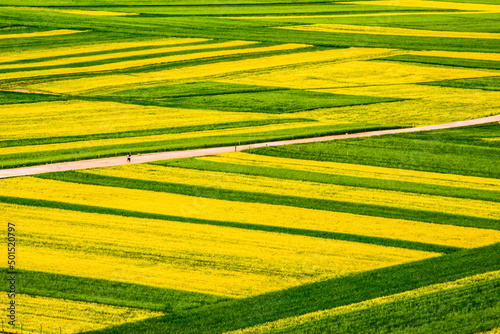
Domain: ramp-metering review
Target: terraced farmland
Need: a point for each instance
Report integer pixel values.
(397, 233)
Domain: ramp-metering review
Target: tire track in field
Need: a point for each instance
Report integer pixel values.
(142, 158)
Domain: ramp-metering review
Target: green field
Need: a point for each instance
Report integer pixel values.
(385, 234)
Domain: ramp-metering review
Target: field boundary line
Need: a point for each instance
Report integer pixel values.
(149, 157)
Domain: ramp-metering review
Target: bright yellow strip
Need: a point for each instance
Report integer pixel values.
(461, 55)
(312, 16)
(204, 258)
(354, 74)
(374, 30)
(432, 4)
(89, 12)
(150, 61)
(114, 55)
(41, 34)
(260, 184)
(51, 119)
(130, 140)
(252, 213)
(297, 320)
(365, 171)
(16, 56)
(103, 83)
(67, 316)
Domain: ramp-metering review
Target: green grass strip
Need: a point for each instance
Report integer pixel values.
(15, 97)
(473, 308)
(265, 198)
(344, 180)
(41, 157)
(255, 227)
(320, 296)
(488, 83)
(149, 132)
(446, 61)
(102, 291)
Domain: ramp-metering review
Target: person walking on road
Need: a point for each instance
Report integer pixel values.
(129, 158)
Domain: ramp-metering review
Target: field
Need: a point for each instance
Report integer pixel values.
(387, 234)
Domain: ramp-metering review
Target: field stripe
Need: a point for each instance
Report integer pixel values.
(324, 295)
(41, 34)
(48, 284)
(428, 247)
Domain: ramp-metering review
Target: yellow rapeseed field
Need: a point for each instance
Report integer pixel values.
(461, 55)
(144, 62)
(100, 83)
(474, 7)
(152, 52)
(252, 213)
(89, 12)
(204, 258)
(355, 74)
(260, 184)
(41, 33)
(294, 321)
(383, 173)
(57, 315)
(65, 51)
(375, 30)
(51, 119)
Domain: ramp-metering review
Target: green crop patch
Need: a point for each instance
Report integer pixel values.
(16, 97)
(490, 83)
(265, 101)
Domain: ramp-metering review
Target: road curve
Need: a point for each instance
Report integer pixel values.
(137, 159)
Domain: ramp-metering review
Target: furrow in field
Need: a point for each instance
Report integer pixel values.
(246, 212)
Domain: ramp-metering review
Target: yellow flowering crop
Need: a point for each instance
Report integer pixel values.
(41, 33)
(150, 61)
(124, 54)
(383, 173)
(89, 12)
(65, 51)
(376, 30)
(211, 259)
(208, 70)
(475, 7)
(252, 213)
(67, 316)
(260, 184)
(355, 74)
(464, 55)
(293, 321)
(51, 119)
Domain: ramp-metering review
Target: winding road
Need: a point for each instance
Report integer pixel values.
(137, 159)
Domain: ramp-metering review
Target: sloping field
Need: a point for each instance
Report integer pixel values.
(396, 233)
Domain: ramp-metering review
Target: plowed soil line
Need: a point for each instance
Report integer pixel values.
(137, 159)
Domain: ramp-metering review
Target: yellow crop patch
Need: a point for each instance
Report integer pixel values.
(58, 52)
(297, 320)
(375, 30)
(51, 119)
(151, 52)
(56, 315)
(260, 184)
(100, 83)
(203, 258)
(354, 74)
(149, 61)
(91, 12)
(364, 171)
(41, 34)
(475, 7)
(462, 55)
(252, 213)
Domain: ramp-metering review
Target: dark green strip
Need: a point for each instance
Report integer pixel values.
(101, 291)
(149, 132)
(445, 61)
(351, 181)
(255, 227)
(320, 296)
(295, 201)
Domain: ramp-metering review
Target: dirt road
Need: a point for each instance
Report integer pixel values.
(136, 159)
